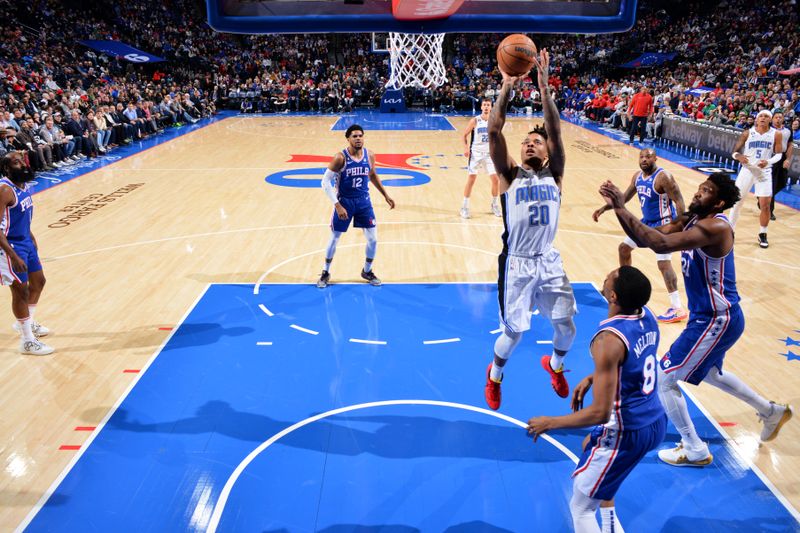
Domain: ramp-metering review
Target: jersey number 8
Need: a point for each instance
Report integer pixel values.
(649, 374)
(539, 215)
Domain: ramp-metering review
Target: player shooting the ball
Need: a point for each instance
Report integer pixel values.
(531, 273)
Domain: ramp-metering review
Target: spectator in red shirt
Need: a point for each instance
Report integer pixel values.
(639, 110)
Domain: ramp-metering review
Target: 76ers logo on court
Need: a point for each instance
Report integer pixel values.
(394, 165)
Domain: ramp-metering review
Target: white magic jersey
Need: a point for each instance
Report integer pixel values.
(530, 213)
(480, 136)
(759, 145)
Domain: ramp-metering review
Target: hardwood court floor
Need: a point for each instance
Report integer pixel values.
(197, 210)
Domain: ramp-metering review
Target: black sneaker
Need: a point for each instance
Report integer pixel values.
(762, 240)
(772, 217)
(371, 278)
(324, 278)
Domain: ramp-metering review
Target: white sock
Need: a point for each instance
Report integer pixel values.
(763, 229)
(557, 361)
(503, 348)
(465, 203)
(494, 200)
(496, 373)
(610, 520)
(31, 310)
(678, 413)
(367, 266)
(25, 327)
(675, 300)
(331, 249)
(734, 386)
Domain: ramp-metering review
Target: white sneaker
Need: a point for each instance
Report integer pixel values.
(496, 210)
(464, 212)
(774, 421)
(38, 329)
(678, 456)
(35, 347)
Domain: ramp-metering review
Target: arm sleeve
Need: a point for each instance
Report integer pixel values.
(775, 158)
(329, 180)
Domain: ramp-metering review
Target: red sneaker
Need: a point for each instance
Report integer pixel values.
(557, 379)
(492, 390)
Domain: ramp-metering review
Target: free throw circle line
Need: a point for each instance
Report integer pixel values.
(219, 507)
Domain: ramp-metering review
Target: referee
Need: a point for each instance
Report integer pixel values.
(780, 171)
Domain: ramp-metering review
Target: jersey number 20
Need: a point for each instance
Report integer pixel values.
(539, 215)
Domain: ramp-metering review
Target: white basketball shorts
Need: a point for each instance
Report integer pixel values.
(760, 177)
(525, 283)
(478, 160)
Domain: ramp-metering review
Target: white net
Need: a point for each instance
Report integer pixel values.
(416, 60)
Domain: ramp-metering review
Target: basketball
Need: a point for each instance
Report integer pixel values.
(515, 54)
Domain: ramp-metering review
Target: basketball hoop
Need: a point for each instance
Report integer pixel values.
(416, 60)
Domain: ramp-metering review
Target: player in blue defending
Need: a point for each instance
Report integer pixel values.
(346, 183)
(705, 238)
(19, 254)
(661, 201)
(629, 418)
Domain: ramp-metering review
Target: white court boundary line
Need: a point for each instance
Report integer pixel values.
(443, 341)
(304, 330)
(365, 341)
(85, 446)
(259, 281)
(740, 456)
(614, 236)
(219, 507)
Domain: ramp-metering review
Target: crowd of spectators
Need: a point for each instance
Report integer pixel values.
(729, 58)
(60, 101)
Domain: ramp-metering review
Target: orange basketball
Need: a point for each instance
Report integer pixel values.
(515, 54)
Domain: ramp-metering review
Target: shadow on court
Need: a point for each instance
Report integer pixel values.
(389, 436)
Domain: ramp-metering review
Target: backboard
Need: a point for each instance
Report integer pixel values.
(421, 16)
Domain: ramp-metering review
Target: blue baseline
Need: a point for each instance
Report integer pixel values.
(376, 121)
(212, 395)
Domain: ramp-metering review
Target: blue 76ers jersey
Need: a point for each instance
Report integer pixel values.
(16, 223)
(657, 208)
(636, 402)
(710, 281)
(354, 176)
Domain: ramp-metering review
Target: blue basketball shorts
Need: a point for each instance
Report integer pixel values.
(612, 454)
(702, 345)
(28, 253)
(359, 210)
